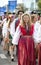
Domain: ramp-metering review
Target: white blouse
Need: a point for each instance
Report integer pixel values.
(37, 32)
(16, 36)
(4, 29)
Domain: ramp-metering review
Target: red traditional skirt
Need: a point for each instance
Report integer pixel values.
(26, 51)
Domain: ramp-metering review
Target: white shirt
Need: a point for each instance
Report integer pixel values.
(4, 28)
(16, 36)
(37, 32)
(12, 29)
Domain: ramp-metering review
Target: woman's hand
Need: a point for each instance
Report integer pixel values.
(6, 40)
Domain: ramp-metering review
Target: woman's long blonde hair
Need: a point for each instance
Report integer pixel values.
(9, 22)
(22, 22)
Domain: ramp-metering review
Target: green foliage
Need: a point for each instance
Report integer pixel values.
(39, 4)
(21, 7)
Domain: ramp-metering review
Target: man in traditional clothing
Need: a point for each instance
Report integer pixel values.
(5, 32)
(14, 25)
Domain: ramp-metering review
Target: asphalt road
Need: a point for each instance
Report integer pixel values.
(5, 59)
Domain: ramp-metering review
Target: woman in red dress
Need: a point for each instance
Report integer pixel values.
(23, 36)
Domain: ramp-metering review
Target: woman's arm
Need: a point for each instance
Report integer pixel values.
(16, 35)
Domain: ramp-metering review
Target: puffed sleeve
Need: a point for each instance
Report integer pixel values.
(36, 33)
(16, 36)
(4, 30)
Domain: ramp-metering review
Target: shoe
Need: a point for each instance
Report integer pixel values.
(12, 59)
(8, 53)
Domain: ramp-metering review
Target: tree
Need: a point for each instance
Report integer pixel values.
(21, 7)
(39, 4)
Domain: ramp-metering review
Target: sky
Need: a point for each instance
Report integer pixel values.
(3, 3)
(27, 3)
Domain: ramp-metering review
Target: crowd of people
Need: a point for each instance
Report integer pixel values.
(23, 32)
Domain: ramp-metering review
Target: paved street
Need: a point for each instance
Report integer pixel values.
(5, 59)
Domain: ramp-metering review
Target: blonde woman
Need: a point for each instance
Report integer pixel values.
(23, 38)
(5, 33)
